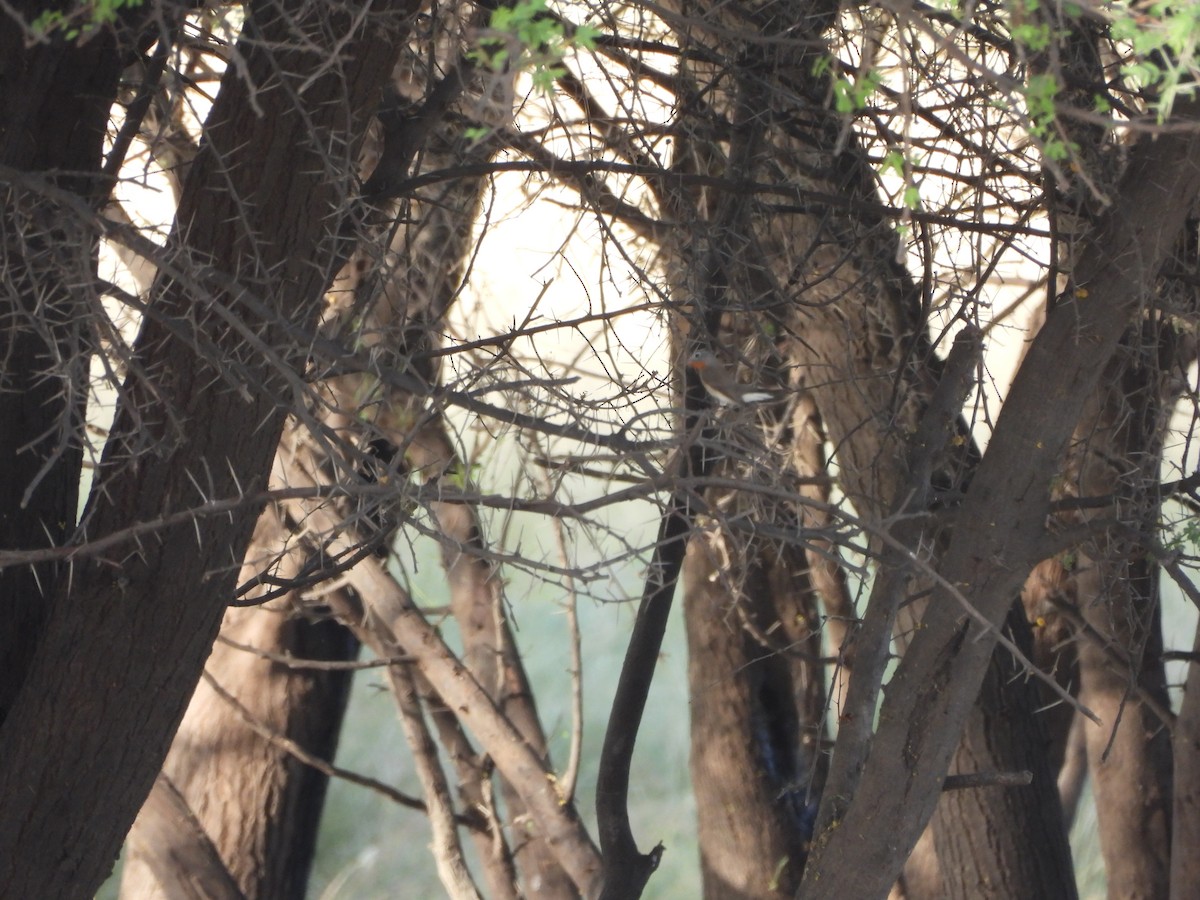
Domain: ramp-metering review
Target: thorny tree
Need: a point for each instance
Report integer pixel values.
(836, 200)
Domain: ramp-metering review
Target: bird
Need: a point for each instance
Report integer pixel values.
(720, 385)
(381, 518)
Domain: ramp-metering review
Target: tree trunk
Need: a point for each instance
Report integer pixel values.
(1117, 453)
(183, 863)
(827, 575)
(755, 729)
(1001, 525)
(1109, 585)
(127, 635)
(403, 298)
(260, 806)
(848, 322)
(980, 853)
(1185, 862)
(49, 127)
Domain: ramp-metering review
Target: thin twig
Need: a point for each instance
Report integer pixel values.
(570, 777)
(331, 771)
(987, 779)
(447, 849)
(321, 665)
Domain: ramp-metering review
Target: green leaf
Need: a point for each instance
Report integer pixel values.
(893, 162)
(585, 37)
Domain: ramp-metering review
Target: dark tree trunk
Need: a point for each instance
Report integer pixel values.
(127, 636)
(980, 852)
(49, 127)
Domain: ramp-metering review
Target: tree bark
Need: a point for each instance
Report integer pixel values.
(127, 637)
(1185, 836)
(980, 854)
(260, 806)
(48, 126)
(757, 714)
(184, 863)
(1116, 453)
(848, 322)
(1001, 526)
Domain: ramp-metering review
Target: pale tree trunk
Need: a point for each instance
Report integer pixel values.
(490, 651)
(136, 627)
(419, 280)
(299, 462)
(407, 293)
(257, 803)
(185, 864)
(397, 623)
(828, 577)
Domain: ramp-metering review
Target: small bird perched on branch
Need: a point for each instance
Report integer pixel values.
(720, 385)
